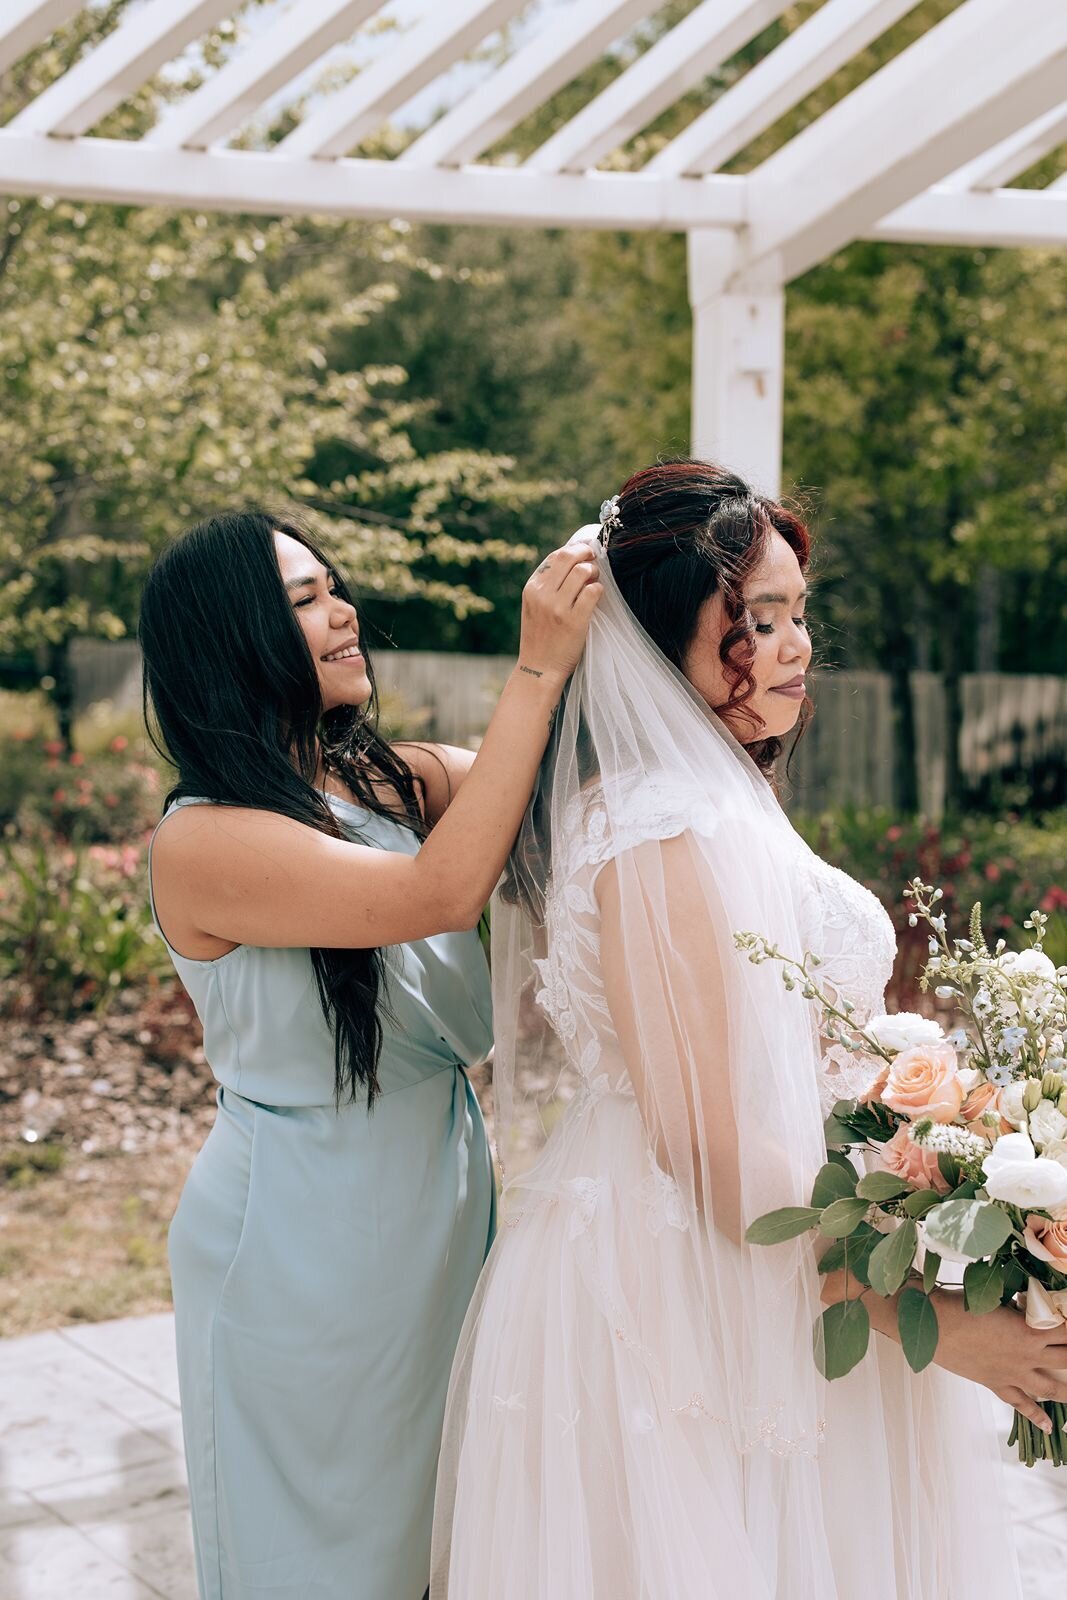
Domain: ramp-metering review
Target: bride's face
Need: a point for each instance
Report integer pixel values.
(774, 593)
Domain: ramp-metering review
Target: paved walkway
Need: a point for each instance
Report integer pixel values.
(92, 1483)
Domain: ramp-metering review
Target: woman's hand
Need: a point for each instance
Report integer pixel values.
(557, 603)
(1022, 1365)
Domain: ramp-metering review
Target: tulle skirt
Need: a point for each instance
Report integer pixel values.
(591, 1450)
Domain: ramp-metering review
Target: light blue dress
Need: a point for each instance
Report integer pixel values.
(322, 1262)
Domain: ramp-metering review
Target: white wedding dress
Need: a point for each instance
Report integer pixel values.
(635, 1412)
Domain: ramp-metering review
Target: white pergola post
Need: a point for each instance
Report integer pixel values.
(738, 365)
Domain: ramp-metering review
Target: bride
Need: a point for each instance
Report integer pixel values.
(635, 1412)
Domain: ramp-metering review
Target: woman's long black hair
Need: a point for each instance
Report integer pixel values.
(232, 700)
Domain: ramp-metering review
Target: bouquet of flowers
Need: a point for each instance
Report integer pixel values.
(964, 1146)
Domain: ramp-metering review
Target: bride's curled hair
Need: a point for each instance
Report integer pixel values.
(683, 531)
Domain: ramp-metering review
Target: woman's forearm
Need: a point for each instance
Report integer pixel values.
(465, 854)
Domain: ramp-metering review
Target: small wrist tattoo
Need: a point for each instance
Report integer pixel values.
(532, 672)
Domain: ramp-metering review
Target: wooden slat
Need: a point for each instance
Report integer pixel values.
(149, 37)
(25, 24)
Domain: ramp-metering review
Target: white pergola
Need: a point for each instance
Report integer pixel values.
(923, 151)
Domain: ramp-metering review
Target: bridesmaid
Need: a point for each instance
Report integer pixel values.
(319, 890)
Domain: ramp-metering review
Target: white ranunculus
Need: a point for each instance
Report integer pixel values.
(903, 1030)
(1016, 1174)
(1027, 963)
(1047, 1124)
(1056, 1150)
(1010, 1104)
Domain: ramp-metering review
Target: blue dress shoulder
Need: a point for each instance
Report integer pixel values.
(322, 1261)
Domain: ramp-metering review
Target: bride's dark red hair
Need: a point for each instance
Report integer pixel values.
(687, 530)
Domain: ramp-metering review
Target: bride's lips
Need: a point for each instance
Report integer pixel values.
(795, 689)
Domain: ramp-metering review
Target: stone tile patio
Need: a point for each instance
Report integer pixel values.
(92, 1483)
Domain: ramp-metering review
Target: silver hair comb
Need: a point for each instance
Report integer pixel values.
(610, 519)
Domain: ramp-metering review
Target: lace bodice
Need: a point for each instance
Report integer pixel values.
(838, 919)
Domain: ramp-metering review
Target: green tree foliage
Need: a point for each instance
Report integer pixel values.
(158, 366)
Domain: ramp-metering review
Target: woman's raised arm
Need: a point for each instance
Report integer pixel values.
(255, 877)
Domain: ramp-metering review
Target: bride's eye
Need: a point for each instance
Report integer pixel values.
(764, 627)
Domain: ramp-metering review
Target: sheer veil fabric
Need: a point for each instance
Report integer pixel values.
(635, 1413)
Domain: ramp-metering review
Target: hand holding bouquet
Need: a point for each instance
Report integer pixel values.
(965, 1140)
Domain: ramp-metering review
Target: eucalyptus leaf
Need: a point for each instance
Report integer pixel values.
(842, 1335)
(840, 1159)
(838, 1134)
(973, 1228)
(860, 1246)
(833, 1257)
(787, 1223)
(832, 1182)
(983, 1286)
(881, 1186)
(931, 1268)
(842, 1217)
(1015, 1277)
(921, 1201)
(949, 1168)
(891, 1259)
(917, 1325)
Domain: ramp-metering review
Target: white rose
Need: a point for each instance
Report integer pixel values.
(903, 1030)
(1056, 1150)
(1047, 1124)
(970, 1077)
(1027, 963)
(1010, 1104)
(1016, 1174)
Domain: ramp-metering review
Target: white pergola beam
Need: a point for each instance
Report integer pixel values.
(150, 36)
(691, 50)
(239, 89)
(977, 76)
(571, 40)
(1006, 218)
(26, 23)
(382, 88)
(997, 167)
(124, 172)
(803, 61)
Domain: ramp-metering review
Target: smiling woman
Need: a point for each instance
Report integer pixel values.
(318, 891)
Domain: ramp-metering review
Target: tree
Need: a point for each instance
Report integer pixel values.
(159, 365)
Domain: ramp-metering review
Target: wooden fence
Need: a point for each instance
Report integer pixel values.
(1011, 723)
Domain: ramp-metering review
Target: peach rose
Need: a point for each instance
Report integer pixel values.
(1048, 1240)
(982, 1098)
(873, 1090)
(912, 1162)
(925, 1082)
